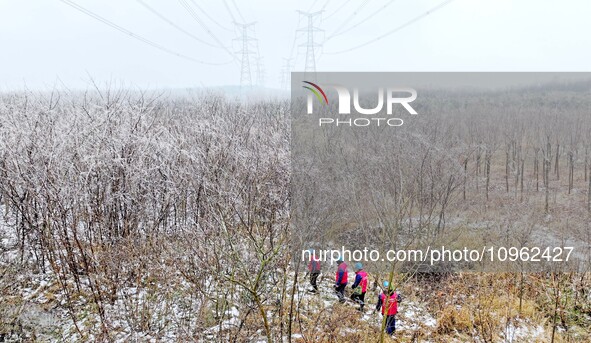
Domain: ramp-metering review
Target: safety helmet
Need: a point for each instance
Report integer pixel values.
(358, 266)
(386, 284)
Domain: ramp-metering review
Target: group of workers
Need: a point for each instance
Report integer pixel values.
(387, 301)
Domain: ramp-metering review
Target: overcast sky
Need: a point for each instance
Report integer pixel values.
(44, 42)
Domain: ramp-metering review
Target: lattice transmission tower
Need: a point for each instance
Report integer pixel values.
(246, 43)
(311, 44)
(285, 73)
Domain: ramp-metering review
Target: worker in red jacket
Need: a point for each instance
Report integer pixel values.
(388, 302)
(341, 279)
(359, 286)
(314, 270)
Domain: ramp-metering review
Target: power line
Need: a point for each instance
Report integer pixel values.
(209, 17)
(408, 23)
(337, 10)
(312, 6)
(295, 38)
(379, 10)
(198, 20)
(171, 23)
(133, 35)
(229, 11)
(238, 10)
(351, 16)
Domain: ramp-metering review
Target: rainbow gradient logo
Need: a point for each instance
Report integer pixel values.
(315, 90)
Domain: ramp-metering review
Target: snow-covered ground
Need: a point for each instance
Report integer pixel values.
(39, 306)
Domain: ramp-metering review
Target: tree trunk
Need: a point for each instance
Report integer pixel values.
(589, 196)
(557, 163)
(521, 177)
(465, 176)
(507, 169)
(536, 171)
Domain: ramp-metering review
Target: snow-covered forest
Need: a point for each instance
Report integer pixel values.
(136, 216)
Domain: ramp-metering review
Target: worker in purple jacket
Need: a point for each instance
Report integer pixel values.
(341, 279)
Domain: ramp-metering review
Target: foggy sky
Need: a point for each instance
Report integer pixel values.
(46, 42)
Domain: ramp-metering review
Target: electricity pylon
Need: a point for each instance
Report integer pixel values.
(310, 44)
(285, 73)
(245, 52)
(260, 71)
